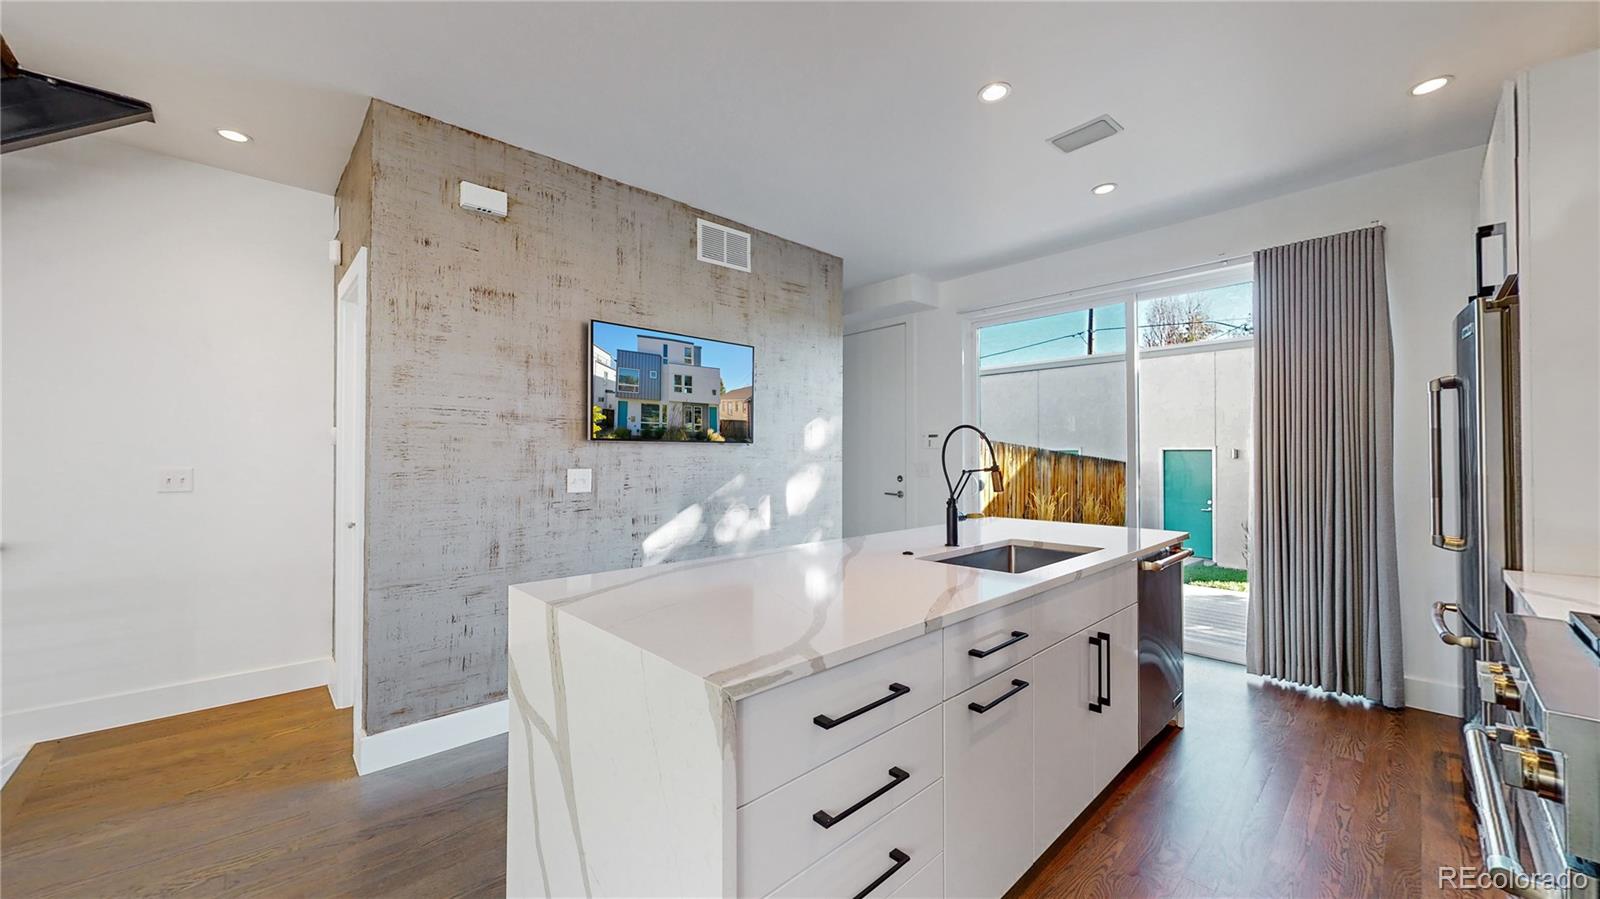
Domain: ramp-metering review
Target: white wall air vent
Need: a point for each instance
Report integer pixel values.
(1086, 134)
(721, 245)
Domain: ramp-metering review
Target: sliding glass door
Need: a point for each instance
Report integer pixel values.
(1150, 425)
(1196, 383)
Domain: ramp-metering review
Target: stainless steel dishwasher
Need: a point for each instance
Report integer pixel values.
(1160, 641)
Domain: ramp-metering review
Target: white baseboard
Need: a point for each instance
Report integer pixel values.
(9, 766)
(25, 727)
(375, 752)
(1433, 696)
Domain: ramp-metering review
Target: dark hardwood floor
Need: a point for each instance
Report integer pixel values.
(1268, 791)
(259, 798)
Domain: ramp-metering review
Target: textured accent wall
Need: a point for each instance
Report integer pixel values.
(478, 383)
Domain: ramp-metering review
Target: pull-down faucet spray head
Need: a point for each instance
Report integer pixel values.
(996, 480)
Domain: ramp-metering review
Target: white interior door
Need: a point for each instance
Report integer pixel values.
(875, 431)
(350, 444)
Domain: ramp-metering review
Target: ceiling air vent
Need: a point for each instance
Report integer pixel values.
(721, 245)
(1086, 134)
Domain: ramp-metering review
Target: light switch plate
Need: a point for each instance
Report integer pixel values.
(175, 480)
(580, 480)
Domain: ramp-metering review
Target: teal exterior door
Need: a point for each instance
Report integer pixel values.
(1186, 496)
(622, 416)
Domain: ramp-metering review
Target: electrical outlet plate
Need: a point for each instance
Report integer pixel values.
(580, 480)
(175, 480)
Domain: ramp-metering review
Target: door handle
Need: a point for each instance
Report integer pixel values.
(1207, 507)
(899, 493)
(1446, 635)
(1436, 389)
(1105, 653)
(1099, 653)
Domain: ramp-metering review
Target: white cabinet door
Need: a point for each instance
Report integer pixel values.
(1063, 736)
(1116, 732)
(988, 759)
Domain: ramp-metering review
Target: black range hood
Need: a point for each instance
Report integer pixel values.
(38, 109)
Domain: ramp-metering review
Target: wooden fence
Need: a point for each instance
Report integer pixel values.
(1047, 485)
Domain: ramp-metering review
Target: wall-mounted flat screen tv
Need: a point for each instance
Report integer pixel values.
(651, 385)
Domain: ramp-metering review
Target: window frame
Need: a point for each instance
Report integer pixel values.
(1129, 292)
(638, 381)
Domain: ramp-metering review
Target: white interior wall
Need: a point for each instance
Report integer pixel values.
(1430, 209)
(160, 313)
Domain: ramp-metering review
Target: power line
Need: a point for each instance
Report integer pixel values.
(1233, 327)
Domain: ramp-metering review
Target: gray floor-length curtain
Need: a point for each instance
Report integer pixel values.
(1324, 586)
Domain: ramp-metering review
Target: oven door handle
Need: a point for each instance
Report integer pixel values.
(1436, 389)
(1495, 835)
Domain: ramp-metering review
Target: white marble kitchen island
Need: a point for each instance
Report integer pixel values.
(686, 729)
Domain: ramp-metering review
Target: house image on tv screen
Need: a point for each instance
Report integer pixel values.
(662, 387)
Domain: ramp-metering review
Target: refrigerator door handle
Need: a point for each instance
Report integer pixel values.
(1446, 635)
(1436, 389)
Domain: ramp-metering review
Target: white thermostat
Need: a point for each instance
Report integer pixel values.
(487, 200)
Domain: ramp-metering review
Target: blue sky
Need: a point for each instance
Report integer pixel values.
(735, 361)
(1066, 334)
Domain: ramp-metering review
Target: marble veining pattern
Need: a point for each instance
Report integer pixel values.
(748, 622)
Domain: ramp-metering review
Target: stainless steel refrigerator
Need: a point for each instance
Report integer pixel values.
(1476, 507)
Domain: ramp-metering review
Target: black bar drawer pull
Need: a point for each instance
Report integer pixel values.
(1016, 636)
(1017, 686)
(899, 776)
(900, 859)
(895, 692)
(1105, 653)
(1099, 673)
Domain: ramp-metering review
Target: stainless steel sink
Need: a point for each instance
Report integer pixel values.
(1015, 557)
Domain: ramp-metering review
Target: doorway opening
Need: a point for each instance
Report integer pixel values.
(1133, 404)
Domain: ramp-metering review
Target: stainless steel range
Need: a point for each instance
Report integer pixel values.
(1536, 775)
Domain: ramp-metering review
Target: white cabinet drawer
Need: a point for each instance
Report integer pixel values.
(925, 884)
(896, 846)
(988, 758)
(1069, 609)
(981, 647)
(779, 734)
(778, 833)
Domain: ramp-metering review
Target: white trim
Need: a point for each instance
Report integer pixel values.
(375, 752)
(349, 543)
(10, 765)
(26, 726)
(1433, 696)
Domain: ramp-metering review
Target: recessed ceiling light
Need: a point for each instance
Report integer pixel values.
(994, 92)
(237, 137)
(1431, 85)
(1101, 190)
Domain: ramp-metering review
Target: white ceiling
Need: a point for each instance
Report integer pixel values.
(851, 127)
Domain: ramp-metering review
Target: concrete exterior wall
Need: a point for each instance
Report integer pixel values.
(478, 353)
(1188, 399)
